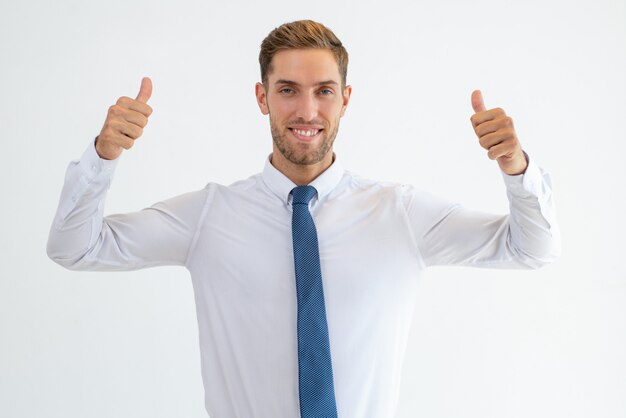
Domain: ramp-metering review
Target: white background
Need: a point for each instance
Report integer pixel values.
(546, 343)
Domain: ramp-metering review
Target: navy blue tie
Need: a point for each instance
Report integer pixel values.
(317, 393)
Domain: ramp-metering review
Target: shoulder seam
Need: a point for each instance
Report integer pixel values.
(210, 191)
(407, 222)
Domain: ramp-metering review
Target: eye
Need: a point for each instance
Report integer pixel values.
(326, 92)
(286, 90)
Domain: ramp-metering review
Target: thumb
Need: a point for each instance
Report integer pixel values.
(477, 101)
(145, 91)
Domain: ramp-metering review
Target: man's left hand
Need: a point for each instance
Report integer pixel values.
(496, 134)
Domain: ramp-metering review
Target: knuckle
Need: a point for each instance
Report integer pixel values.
(510, 132)
(116, 110)
(144, 121)
(123, 101)
(132, 130)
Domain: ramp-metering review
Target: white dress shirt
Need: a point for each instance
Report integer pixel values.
(375, 241)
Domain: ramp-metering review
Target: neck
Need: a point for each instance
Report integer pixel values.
(301, 175)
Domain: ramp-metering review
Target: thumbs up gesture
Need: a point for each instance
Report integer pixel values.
(124, 123)
(496, 133)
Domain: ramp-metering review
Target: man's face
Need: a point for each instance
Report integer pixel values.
(305, 100)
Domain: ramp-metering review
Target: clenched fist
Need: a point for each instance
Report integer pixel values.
(496, 133)
(124, 123)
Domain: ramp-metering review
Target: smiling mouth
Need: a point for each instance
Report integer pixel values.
(305, 134)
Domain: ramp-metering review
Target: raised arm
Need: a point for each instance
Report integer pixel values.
(528, 237)
(82, 239)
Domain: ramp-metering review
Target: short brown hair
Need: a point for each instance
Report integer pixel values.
(302, 34)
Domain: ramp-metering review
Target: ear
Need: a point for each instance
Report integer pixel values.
(347, 91)
(261, 98)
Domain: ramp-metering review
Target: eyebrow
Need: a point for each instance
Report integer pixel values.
(294, 83)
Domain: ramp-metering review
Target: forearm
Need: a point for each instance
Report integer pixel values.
(78, 221)
(533, 230)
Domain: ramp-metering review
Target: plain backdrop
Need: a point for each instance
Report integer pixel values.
(484, 343)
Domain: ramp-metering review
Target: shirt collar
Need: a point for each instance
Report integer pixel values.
(281, 186)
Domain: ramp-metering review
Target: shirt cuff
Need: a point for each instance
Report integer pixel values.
(528, 184)
(91, 164)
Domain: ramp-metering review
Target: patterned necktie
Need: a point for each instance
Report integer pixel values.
(317, 394)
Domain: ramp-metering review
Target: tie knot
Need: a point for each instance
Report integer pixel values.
(303, 194)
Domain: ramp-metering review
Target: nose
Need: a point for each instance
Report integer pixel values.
(307, 107)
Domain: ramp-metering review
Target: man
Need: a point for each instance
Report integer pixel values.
(304, 295)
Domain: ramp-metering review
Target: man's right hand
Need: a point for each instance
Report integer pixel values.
(124, 123)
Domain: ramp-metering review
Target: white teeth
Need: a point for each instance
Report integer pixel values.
(306, 133)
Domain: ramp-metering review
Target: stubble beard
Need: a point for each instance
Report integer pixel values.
(307, 154)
